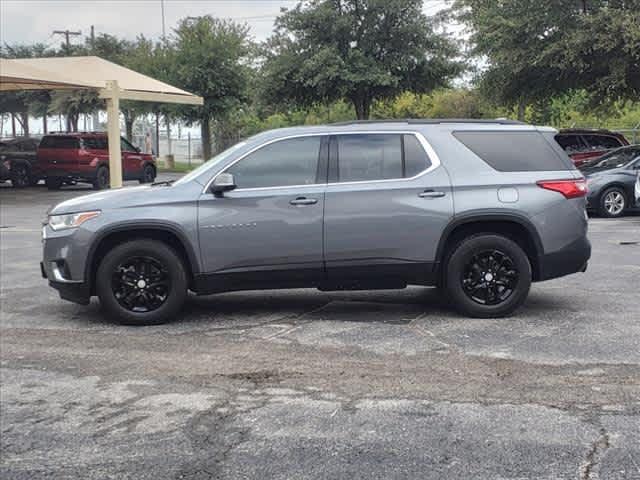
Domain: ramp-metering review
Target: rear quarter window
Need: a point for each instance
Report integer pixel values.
(509, 151)
(60, 142)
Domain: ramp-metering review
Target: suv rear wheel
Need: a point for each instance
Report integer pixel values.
(142, 282)
(53, 183)
(487, 275)
(20, 175)
(102, 178)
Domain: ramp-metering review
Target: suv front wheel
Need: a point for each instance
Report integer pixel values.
(102, 178)
(487, 276)
(142, 282)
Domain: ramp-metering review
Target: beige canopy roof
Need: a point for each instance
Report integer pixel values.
(88, 72)
(15, 75)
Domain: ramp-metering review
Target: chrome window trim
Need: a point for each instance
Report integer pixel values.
(431, 153)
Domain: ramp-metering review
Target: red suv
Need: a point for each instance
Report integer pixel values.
(84, 157)
(584, 144)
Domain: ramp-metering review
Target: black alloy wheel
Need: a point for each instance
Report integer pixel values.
(487, 275)
(141, 284)
(490, 277)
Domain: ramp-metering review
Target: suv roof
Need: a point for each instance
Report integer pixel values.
(434, 121)
(76, 134)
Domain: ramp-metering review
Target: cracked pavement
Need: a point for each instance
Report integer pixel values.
(311, 385)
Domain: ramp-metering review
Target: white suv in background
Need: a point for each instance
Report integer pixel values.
(637, 189)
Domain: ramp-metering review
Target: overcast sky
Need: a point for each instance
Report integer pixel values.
(31, 21)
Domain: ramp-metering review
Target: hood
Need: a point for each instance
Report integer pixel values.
(109, 199)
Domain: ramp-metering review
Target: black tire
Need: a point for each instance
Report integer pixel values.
(101, 181)
(20, 175)
(613, 202)
(491, 260)
(53, 183)
(148, 174)
(118, 293)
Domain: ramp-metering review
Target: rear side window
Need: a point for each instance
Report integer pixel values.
(508, 151)
(570, 143)
(95, 143)
(370, 157)
(602, 142)
(416, 159)
(60, 142)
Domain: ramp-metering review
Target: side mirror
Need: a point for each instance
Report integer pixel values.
(224, 182)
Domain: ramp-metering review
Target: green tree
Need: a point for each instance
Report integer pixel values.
(536, 50)
(211, 60)
(359, 50)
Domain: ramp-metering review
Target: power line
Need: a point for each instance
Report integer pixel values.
(67, 34)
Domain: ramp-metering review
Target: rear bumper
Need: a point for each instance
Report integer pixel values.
(571, 259)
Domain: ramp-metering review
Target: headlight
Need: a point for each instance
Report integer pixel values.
(71, 220)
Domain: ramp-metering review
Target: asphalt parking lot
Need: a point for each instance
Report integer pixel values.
(310, 385)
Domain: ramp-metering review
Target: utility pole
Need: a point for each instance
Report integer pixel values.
(67, 34)
(164, 30)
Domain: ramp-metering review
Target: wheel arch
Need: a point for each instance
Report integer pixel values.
(162, 232)
(512, 225)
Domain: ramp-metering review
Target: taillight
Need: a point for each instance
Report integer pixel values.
(568, 188)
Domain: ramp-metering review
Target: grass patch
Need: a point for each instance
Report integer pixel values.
(179, 167)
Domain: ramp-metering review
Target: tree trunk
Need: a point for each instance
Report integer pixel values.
(45, 128)
(362, 104)
(205, 133)
(521, 109)
(23, 120)
(13, 125)
(128, 125)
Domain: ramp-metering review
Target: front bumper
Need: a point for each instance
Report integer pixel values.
(64, 260)
(71, 290)
(571, 259)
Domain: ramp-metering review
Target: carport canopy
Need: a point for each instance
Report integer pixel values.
(112, 82)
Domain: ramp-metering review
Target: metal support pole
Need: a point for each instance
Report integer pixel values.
(189, 148)
(113, 131)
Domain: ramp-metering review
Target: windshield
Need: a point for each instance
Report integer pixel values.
(207, 165)
(614, 159)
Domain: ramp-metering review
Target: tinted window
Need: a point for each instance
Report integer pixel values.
(60, 142)
(369, 157)
(288, 162)
(95, 143)
(570, 143)
(602, 142)
(512, 151)
(416, 159)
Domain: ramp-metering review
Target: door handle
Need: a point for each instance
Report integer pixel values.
(431, 194)
(303, 201)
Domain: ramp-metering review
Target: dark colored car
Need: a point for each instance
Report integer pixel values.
(18, 161)
(84, 157)
(611, 181)
(583, 145)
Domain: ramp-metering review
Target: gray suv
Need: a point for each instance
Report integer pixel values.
(479, 209)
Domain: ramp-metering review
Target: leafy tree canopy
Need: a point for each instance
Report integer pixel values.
(360, 50)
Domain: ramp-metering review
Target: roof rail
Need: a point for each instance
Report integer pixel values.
(434, 121)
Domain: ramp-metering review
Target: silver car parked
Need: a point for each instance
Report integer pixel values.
(479, 209)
